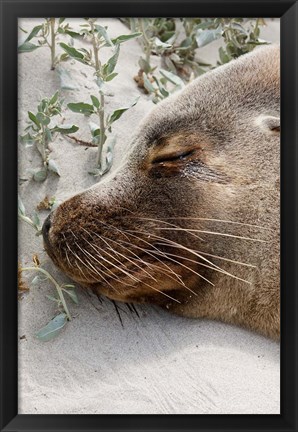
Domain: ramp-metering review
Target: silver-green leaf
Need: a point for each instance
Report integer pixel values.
(65, 128)
(26, 139)
(95, 172)
(94, 129)
(72, 294)
(174, 79)
(54, 98)
(53, 167)
(161, 45)
(147, 84)
(33, 33)
(21, 207)
(224, 57)
(111, 76)
(204, 37)
(144, 65)
(103, 33)
(124, 38)
(109, 67)
(39, 175)
(43, 119)
(95, 101)
(53, 328)
(118, 113)
(81, 107)
(34, 119)
(27, 47)
(36, 220)
(54, 299)
(74, 53)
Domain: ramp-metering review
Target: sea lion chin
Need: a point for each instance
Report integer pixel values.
(190, 221)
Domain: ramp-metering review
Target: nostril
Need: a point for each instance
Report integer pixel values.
(46, 226)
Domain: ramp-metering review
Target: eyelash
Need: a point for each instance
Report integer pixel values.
(174, 158)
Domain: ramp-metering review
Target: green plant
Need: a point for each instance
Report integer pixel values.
(34, 222)
(239, 39)
(103, 73)
(159, 38)
(46, 35)
(158, 86)
(239, 35)
(58, 322)
(41, 130)
(158, 34)
(179, 55)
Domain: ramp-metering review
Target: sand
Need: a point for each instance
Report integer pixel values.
(157, 363)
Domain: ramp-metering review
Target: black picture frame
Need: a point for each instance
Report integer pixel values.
(10, 420)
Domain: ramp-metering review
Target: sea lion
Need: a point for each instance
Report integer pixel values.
(190, 221)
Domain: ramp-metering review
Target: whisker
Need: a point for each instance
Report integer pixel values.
(192, 231)
(131, 310)
(197, 218)
(137, 247)
(128, 274)
(169, 275)
(131, 252)
(73, 234)
(78, 258)
(118, 313)
(115, 228)
(212, 233)
(172, 225)
(185, 266)
(87, 294)
(110, 274)
(94, 271)
(80, 270)
(135, 310)
(100, 274)
(124, 256)
(179, 246)
(67, 258)
(212, 268)
(154, 247)
(178, 262)
(151, 265)
(218, 257)
(97, 295)
(97, 249)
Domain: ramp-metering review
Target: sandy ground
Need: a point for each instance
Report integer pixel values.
(158, 363)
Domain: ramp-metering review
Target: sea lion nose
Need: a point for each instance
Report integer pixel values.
(46, 227)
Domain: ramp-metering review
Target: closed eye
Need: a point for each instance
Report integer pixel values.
(173, 157)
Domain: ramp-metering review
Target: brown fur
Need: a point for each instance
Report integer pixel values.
(202, 160)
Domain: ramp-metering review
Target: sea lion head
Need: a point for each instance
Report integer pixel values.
(199, 182)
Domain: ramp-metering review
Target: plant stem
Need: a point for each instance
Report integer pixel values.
(147, 43)
(101, 114)
(95, 47)
(256, 28)
(53, 43)
(27, 220)
(43, 144)
(57, 286)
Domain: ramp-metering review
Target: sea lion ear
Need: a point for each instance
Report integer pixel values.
(269, 124)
